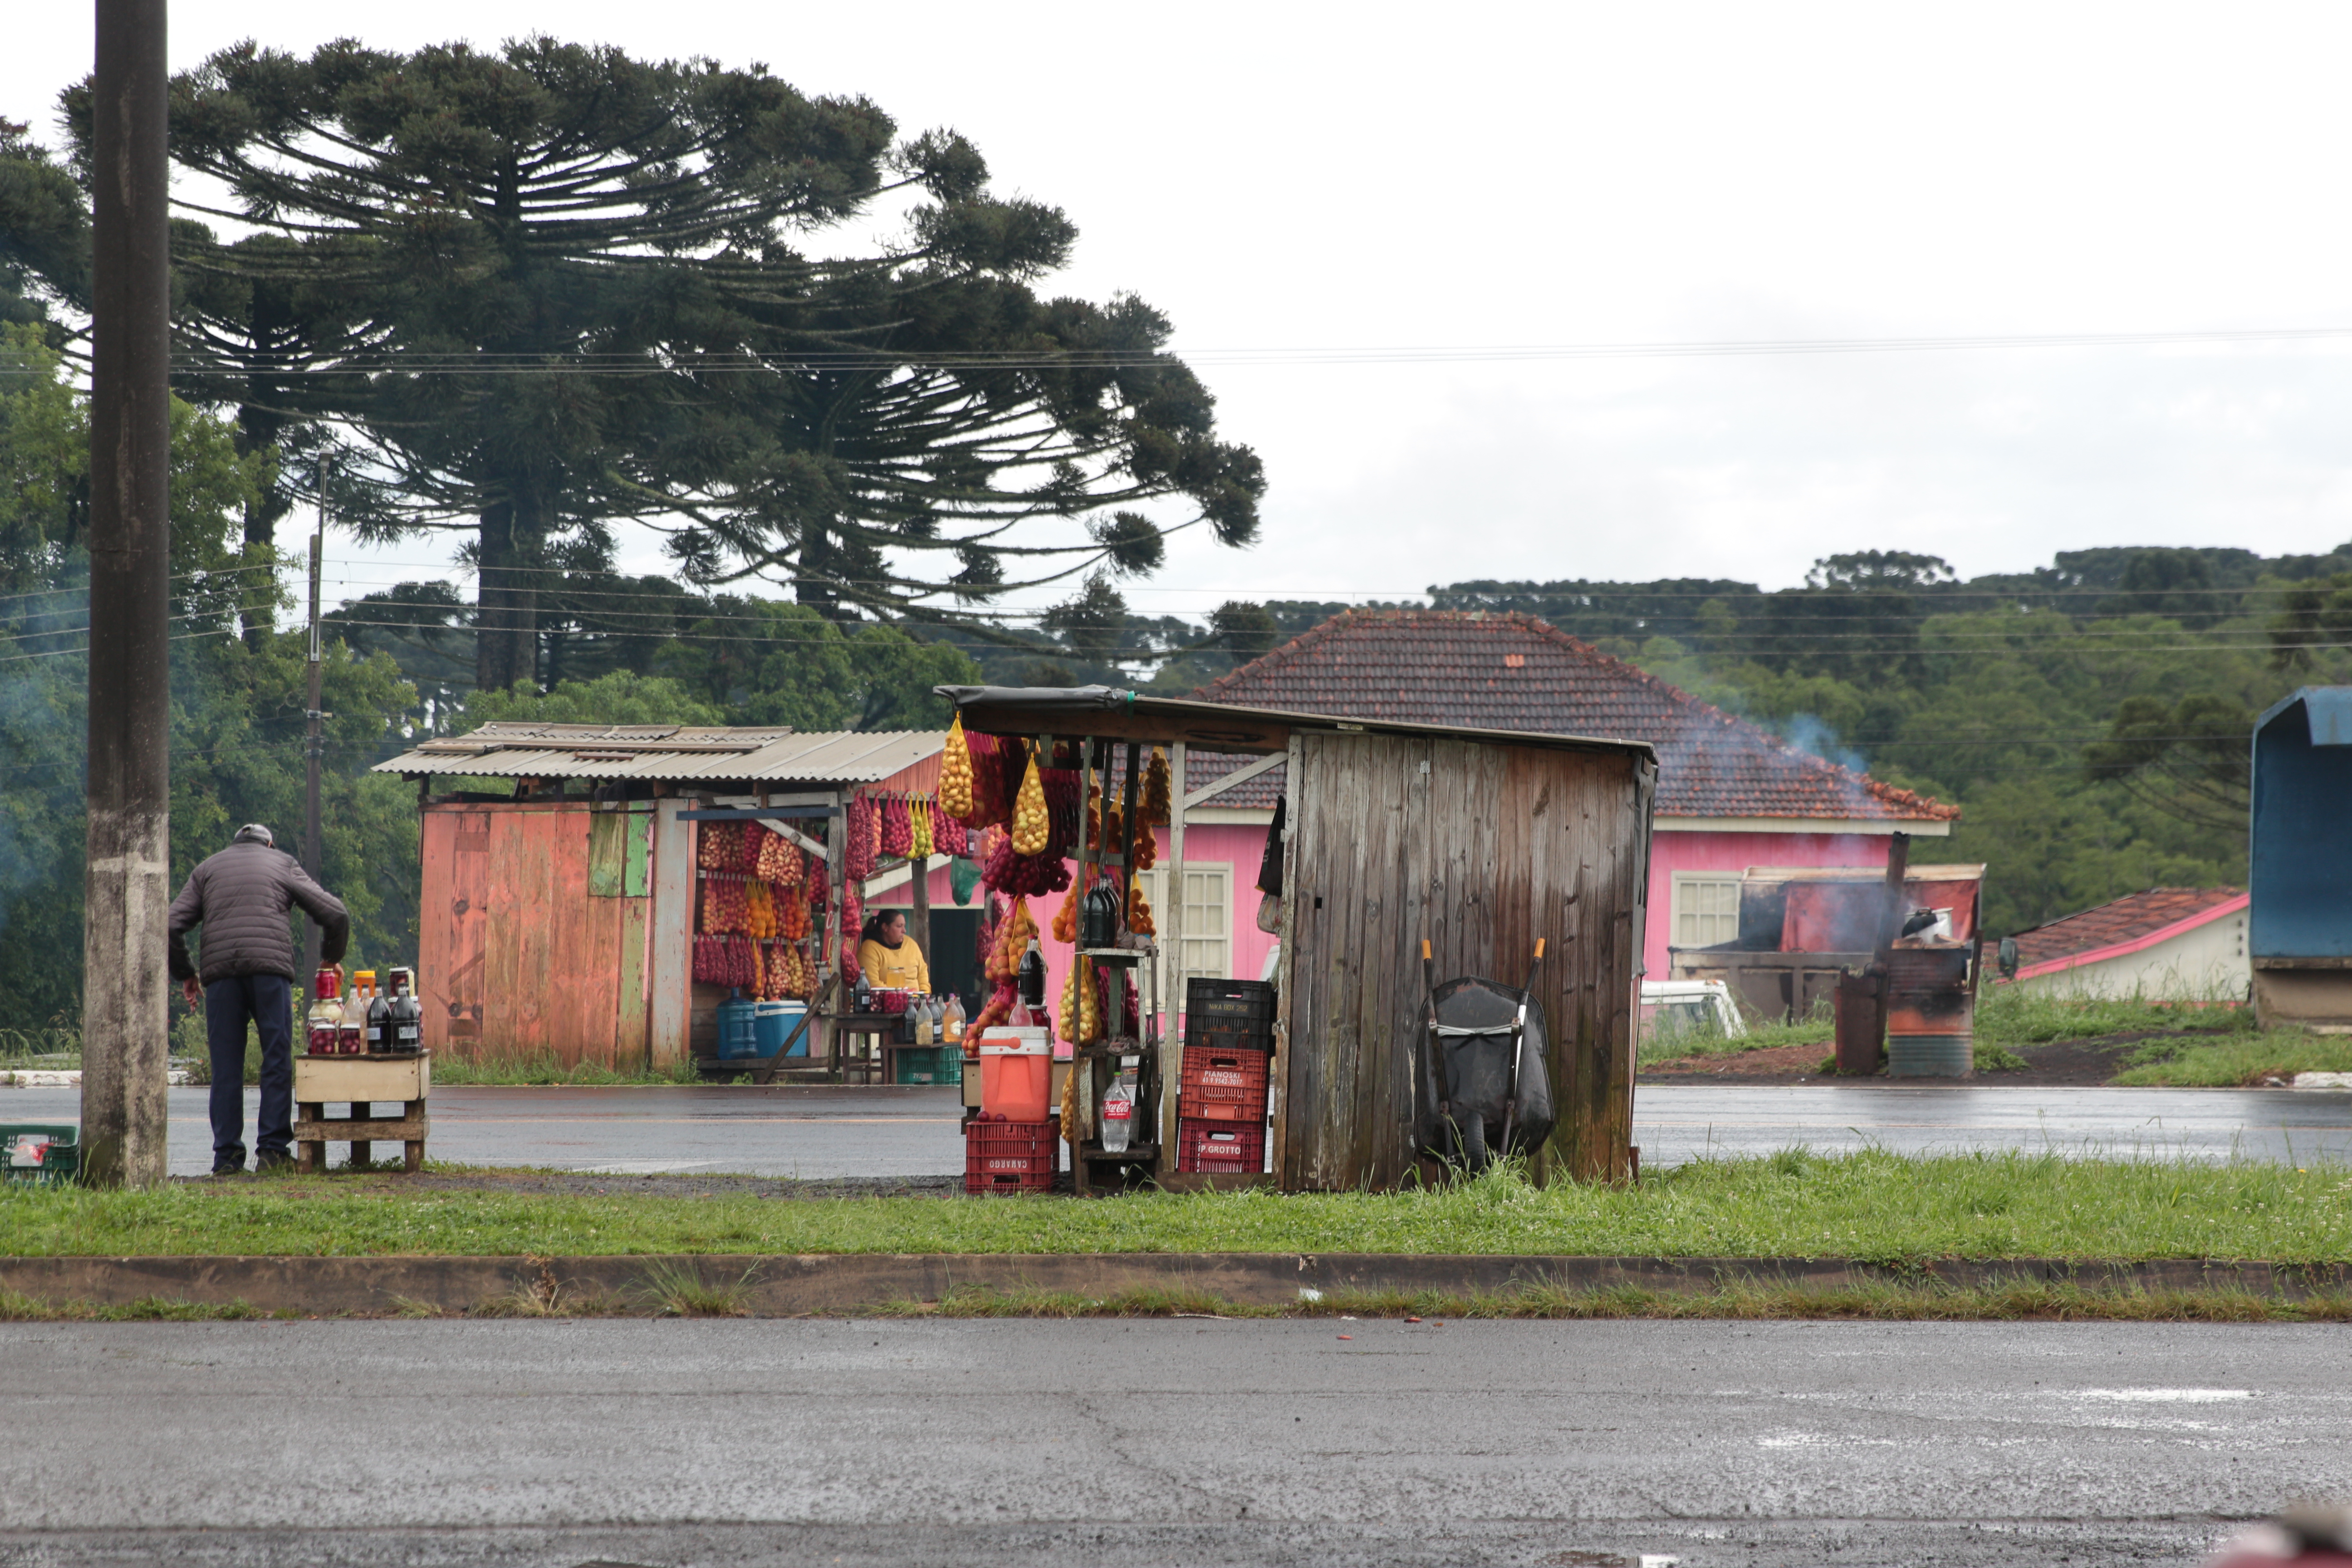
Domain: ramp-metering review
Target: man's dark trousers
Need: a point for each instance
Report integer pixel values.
(268, 1001)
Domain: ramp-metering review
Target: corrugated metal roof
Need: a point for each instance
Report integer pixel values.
(682, 754)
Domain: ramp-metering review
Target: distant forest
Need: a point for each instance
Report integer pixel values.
(2091, 717)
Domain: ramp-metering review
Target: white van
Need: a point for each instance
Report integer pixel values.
(1671, 1007)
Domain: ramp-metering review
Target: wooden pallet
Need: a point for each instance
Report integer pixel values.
(314, 1129)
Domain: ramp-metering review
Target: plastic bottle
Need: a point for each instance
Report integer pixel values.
(351, 1025)
(326, 1012)
(922, 1011)
(1118, 1116)
(952, 1021)
(407, 1015)
(1032, 976)
(379, 1021)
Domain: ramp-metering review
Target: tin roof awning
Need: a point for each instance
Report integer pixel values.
(678, 753)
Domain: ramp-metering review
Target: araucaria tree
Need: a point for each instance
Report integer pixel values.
(551, 288)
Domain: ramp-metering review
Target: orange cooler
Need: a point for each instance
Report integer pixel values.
(1015, 1069)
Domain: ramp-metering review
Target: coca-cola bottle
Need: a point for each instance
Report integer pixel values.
(1118, 1116)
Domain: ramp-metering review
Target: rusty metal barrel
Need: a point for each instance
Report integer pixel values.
(1930, 1013)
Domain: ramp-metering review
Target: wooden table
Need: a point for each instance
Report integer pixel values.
(361, 1083)
(883, 1027)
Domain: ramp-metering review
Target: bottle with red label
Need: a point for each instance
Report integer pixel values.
(326, 1011)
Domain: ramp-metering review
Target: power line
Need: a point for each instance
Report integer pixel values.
(687, 361)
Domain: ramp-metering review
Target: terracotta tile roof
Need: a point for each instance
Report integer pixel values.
(1512, 671)
(2133, 916)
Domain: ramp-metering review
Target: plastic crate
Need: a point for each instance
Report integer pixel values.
(932, 1063)
(1009, 1157)
(1220, 1148)
(40, 1154)
(1229, 1015)
(1225, 1083)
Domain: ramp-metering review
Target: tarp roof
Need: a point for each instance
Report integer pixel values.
(671, 752)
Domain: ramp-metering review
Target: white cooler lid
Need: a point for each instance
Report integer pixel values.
(1022, 1042)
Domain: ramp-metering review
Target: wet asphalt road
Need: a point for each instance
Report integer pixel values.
(850, 1132)
(1189, 1442)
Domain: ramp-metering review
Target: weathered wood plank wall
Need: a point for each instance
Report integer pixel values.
(1480, 848)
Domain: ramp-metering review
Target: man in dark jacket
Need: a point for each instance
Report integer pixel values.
(245, 969)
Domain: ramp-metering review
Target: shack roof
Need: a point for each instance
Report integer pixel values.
(1519, 672)
(671, 752)
(1118, 714)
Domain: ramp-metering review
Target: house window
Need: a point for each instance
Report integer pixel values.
(1208, 926)
(1706, 908)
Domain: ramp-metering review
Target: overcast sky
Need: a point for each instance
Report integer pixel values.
(1294, 177)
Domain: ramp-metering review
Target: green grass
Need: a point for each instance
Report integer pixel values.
(1684, 1044)
(1872, 1206)
(545, 1069)
(2015, 1016)
(2235, 1061)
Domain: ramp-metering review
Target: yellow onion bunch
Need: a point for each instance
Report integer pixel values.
(919, 814)
(955, 773)
(1033, 826)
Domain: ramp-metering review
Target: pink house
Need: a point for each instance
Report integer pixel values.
(1731, 793)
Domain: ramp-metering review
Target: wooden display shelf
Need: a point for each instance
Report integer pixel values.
(361, 1083)
(1091, 1153)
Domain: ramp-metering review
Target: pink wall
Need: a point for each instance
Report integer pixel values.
(1671, 852)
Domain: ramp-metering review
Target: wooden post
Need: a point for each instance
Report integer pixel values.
(918, 914)
(1172, 944)
(1898, 862)
(670, 937)
(128, 836)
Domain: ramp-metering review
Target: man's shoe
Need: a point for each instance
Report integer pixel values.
(270, 1163)
(225, 1169)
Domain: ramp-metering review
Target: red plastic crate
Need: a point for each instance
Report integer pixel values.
(1009, 1157)
(1220, 1148)
(1224, 1085)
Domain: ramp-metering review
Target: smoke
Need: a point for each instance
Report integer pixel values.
(1807, 733)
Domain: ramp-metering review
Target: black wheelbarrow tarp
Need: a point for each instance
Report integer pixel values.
(1479, 1038)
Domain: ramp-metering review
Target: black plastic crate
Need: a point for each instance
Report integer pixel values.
(1229, 1015)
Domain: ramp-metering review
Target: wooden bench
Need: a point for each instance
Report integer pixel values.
(361, 1083)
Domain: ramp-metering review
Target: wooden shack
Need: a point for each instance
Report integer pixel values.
(559, 877)
(1479, 841)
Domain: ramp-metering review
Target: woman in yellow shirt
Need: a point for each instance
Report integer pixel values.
(889, 956)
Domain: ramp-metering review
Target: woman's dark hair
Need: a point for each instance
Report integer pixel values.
(875, 923)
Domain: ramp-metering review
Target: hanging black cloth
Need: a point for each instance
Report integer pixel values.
(1269, 869)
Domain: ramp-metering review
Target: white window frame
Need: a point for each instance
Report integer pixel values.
(1209, 956)
(1689, 922)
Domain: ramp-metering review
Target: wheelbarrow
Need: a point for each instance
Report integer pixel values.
(1481, 1089)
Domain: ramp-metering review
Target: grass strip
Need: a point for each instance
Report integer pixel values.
(2024, 1301)
(1872, 1206)
(2246, 1060)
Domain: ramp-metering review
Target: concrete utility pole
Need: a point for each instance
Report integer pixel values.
(127, 885)
(314, 744)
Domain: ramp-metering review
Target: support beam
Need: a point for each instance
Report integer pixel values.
(1172, 962)
(127, 877)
